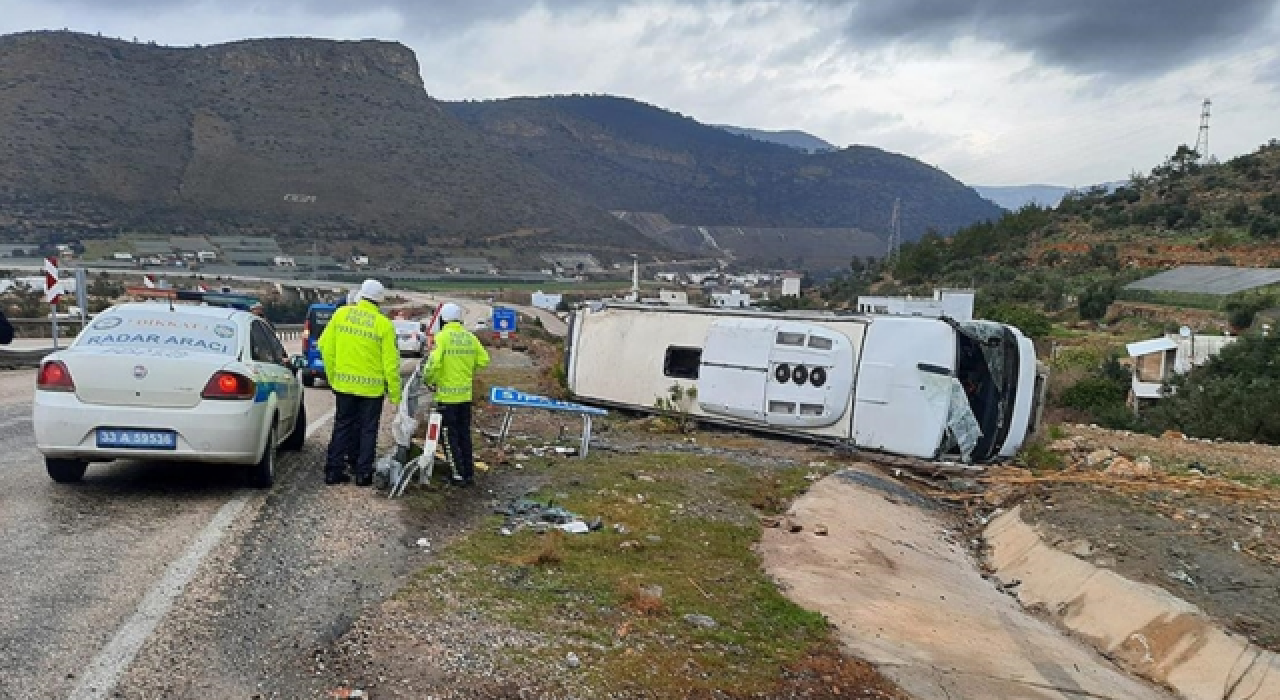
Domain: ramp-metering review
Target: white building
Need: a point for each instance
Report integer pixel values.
(122, 256)
(952, 303)
(547, 302)
(733, 299)
(1156, 361)
(207, 256)
(278, 261)
(673, 298)
(791, 285)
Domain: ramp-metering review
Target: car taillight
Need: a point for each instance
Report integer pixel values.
(306, 331)
(54, 376)
(228, 386)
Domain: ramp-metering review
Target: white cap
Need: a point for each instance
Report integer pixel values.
(450, 312)
(373, 291)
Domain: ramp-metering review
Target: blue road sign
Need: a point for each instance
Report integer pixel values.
(504, 320)
(500, 396)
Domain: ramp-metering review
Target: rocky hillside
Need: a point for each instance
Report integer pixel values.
(624, 155)
(338, 139)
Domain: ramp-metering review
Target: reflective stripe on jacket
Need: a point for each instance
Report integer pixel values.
(453, 363)
(360, 354)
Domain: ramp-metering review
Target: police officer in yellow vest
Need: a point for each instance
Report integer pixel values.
(362, 364)
(451, 368)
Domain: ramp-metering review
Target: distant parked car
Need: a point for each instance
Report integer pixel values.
(481, 325)
(410, 338)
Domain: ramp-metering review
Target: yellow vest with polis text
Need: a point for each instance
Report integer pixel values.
(453, 363)
(360, 353)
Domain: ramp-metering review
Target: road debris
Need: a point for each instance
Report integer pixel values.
(703, 621)
(524, 513)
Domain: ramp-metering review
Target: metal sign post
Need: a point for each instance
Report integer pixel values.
(514, 398)
(82, 295)
(52, 293)
(504, 322)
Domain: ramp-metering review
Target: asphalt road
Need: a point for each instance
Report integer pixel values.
(166, 580)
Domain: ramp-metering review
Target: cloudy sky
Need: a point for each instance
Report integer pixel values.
(1065, 92)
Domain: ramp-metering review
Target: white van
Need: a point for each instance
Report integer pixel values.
(919, 387)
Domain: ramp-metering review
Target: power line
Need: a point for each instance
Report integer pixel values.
(895, 232)
(1202, 138)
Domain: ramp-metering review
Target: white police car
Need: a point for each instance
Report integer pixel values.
(151, 381)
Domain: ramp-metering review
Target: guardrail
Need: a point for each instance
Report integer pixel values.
(43, 327)
(22, 359)
(70, 328)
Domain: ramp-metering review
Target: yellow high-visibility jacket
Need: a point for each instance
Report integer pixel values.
(359, 352)
(453, 363)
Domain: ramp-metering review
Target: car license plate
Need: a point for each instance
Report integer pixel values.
(138, 439)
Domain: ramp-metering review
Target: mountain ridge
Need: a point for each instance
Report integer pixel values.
(624, 155)
(294, 136)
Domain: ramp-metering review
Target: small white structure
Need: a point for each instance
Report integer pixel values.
(283, 261)
(360, 260)
(122, 256)
(733, 299)
(953, 303)
(208, 256)
(673, 298)
(547, 302)
(791, 285)
(1156, 361)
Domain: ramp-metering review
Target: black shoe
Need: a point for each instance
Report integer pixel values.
(364, 480)
(459, 483)
(334, 479)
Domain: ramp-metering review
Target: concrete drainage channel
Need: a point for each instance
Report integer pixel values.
(1147, 630)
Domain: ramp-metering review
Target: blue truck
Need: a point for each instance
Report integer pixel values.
(318, 316)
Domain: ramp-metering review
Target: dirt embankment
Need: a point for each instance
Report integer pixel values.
(1198, 518)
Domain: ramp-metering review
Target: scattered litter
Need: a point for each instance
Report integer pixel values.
(771, 521)
(653, 591)
(629, 544)
(620, 528)
(817, 465)
(820, 530)
(348, 693)
(524, 513)
(812, 476)
(1182, 577)
(703, 621)
(645, 477)
(571, 660)
(708, 470)
(793, 526)
(482, 466)
(653, 538)
(424, 543)
(519, 466)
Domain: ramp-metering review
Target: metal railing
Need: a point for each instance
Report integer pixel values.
(70, 328)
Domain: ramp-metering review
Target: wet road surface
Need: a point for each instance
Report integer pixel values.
(130, 584)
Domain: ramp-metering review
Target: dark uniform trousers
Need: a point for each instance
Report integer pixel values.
(355, 434)
(456, 422)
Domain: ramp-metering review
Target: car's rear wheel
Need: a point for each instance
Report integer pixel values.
(65, 471)
(263, 474)
(308, 378)
(298, 436)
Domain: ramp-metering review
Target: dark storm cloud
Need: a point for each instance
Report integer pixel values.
(1116, 37)
(1120, 38)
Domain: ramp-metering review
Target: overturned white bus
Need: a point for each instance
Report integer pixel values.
(918, 387)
